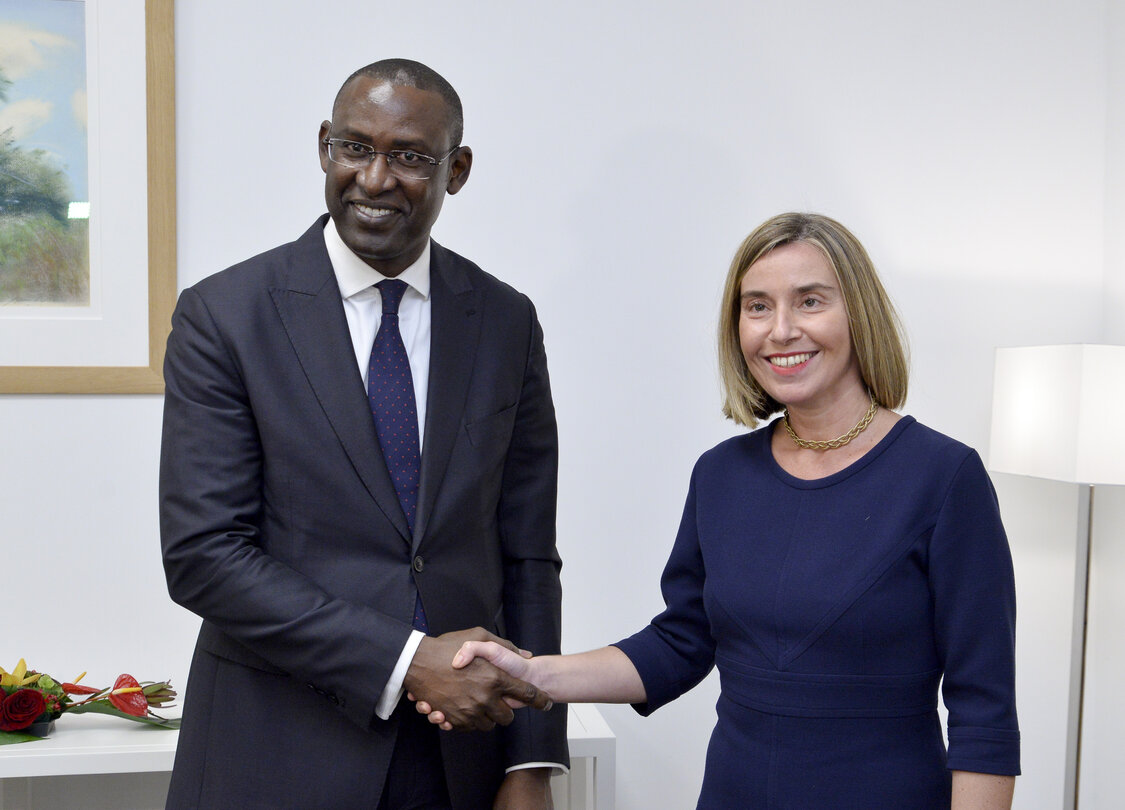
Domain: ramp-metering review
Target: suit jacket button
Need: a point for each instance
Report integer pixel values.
(419, 564)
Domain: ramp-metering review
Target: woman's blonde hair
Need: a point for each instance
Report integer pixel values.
(877, 335)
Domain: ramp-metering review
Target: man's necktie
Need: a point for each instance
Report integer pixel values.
(390, 389)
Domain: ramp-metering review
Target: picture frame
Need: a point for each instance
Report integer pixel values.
(159, 26)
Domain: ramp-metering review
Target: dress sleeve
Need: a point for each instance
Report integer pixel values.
(973, 588)
(676, 651)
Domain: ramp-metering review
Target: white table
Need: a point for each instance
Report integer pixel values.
(84, 750)
(593, 760)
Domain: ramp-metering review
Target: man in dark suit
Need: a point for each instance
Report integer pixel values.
(350, 473)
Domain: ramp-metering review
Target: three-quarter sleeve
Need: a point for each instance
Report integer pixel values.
(973, 588)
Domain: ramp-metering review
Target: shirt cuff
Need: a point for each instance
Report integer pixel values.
(559, 770)
(392, 692)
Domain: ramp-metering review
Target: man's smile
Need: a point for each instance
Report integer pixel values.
(372, 212)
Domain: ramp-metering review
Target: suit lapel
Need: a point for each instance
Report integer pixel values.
(455, 330)
(313, 316)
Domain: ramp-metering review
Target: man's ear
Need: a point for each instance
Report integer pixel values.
(461, 164)
(322, 147)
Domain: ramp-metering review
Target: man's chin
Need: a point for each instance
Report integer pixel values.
(367, 243)
(390, 260)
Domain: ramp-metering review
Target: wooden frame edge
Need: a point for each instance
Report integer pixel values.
(160, 97)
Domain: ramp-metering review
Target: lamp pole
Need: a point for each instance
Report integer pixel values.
(1078, 646)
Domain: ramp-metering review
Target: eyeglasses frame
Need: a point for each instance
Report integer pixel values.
(391, 160)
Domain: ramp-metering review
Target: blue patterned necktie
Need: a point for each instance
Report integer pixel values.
(390, 389)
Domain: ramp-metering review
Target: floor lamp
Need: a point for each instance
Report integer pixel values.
(1057, 413)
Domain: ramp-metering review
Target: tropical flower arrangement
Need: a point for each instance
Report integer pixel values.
(31, 701)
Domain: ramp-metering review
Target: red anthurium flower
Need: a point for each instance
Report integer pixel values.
(127, 696)
(79, 689)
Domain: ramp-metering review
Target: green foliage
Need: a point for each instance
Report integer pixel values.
(44, 257)
(9, 737)
(30, 182)
(101, 707)
(53, 692)
(29, 179)
(43, 260)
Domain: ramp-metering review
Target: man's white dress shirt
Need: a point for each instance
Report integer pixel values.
(363, 308)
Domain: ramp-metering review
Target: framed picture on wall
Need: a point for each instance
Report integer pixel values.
(87, 195)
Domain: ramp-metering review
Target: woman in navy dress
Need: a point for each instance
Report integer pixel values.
(836, 565)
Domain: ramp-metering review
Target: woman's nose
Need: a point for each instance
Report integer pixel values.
(784, 327)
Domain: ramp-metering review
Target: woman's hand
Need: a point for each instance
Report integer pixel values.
(517, 664)
(511, 662)
(605, 675)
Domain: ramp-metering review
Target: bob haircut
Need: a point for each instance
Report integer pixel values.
(876, 331)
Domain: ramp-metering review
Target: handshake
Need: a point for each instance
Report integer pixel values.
(470, 680)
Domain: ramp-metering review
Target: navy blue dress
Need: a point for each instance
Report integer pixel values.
(832, 609)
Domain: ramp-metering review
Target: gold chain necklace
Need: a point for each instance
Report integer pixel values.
(839, 441)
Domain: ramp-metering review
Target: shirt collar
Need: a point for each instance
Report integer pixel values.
(354, 275)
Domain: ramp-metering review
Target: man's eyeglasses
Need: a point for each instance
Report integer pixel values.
(403, 163)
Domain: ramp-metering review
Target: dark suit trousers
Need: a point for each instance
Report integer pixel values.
(416, 778)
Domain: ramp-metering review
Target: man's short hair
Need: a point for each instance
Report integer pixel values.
(876, 332)
(408, 73)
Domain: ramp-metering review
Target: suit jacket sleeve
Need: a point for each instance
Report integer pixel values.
(532, 599)
(212, 510)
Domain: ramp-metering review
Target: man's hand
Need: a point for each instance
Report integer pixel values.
(474, 697)
(514, 661)
(525, 789)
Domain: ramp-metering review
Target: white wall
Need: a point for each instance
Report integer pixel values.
(1114, 323)
(1103, 748)
(621, 152)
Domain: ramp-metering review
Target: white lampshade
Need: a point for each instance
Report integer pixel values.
(1059, 412)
